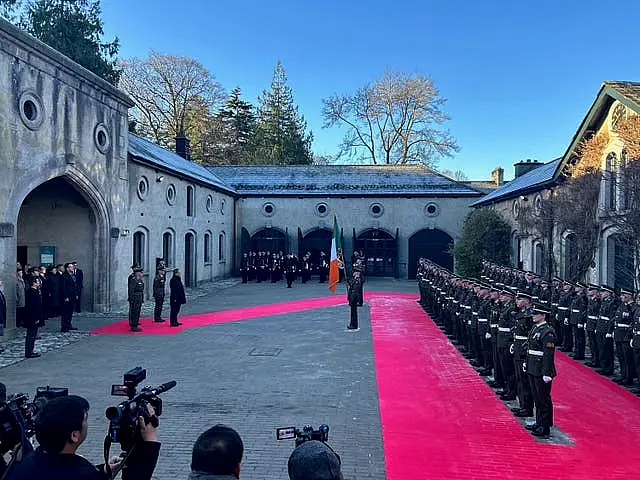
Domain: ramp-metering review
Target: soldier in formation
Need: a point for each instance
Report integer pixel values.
(263, 266)
(526, 319)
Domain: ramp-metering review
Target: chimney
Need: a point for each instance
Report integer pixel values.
(182, 147)
(497, 176)
(525, 166)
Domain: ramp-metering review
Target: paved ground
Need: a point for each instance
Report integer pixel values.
(254, 375)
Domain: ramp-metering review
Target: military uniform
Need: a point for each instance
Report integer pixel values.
(136, 298)
(505, 340)
(635, 337)
(604, 333)
(593, 313)
(577, 320)
(158, 296)
(622, 335)
(521, 331)
(290, 269)
(540, 366)
(564, 304)
(353, 297)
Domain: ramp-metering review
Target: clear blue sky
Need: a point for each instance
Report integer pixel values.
(519, 76)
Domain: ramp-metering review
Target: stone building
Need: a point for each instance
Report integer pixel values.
(395, 214)
(534, 181)
(77, 186)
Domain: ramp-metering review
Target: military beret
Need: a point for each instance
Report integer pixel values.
(137, 269)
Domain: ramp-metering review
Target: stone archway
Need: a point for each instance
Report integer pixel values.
(432, 244)
(316, 241)
(380, 252)
(63, 220)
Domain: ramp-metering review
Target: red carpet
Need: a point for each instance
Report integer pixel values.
(441, 421)
(203, 319)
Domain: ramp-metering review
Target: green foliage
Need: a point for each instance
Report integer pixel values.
(281, 135)
(237, 127)
(75, 29)
(485, 236)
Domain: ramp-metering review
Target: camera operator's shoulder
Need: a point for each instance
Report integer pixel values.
(39, 465)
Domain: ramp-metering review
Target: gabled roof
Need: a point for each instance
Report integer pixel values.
(340, 180)
(534, 180)
(627, 93)
(153, 155)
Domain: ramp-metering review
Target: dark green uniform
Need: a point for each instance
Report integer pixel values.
(622, 335)
(136, 298)
(540, 363)
(520, 335)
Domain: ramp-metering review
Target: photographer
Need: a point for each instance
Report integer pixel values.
(60, 428)
(217, 455)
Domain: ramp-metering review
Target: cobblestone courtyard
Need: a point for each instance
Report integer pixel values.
(254, 375)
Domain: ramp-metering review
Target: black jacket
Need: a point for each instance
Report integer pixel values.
(39, 465)
(79, 276)
(33, 313)
(52, 281)
(177, 291)
(3, 309)
(68, 288)
(158, 287)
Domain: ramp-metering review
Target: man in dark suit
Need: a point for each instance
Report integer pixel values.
(78, 274)
(68, 296)
(33, 315)
(178, 297)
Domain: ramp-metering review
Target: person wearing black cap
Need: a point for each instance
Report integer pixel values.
(622, 337)
(158, 294)
(593, 311)
(604, 329)
(521, 331)
(136, 299)
(578, 318)
(541, 369)
(314, 460)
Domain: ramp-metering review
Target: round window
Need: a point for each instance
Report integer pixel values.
(143, 187)
(209, 203)
(268, 209)
(101, 138)
(322, 209)
(31, 110)
(376, 210)
(171, 194)
(431, 210)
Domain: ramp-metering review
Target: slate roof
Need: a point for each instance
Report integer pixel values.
(630, 90)
(534, 180)
(340, 180)
(155, 156)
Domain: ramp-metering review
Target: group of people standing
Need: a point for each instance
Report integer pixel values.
(43, 293)
(136, 287)
(503, 330)
(264, 266)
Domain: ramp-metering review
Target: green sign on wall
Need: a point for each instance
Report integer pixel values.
(47, 255)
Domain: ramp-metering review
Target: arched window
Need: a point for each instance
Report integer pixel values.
(221, 247)
(190, 202)
(168, 248)
(538, 258)
(611, 184)
(139, 249)
(625, 186)
(207, 247)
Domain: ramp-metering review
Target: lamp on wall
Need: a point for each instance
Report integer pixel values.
(124, 233)
(159, 178)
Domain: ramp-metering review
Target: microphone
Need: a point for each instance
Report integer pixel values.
(164, 387)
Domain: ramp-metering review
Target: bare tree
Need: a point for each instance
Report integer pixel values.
(458, 175)
(173, 94)
(396, 119)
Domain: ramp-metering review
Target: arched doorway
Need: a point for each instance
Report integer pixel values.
(269, 240)
(317, 241)
(189, 259)
(380, 251)
(432, 244)
(57, 225)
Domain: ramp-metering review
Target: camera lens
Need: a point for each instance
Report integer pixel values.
(112, 413)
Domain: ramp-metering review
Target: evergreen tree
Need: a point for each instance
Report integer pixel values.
(237, 128)
(281, 135)
(75, 29)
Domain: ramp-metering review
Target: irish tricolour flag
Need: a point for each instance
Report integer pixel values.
(336, 246)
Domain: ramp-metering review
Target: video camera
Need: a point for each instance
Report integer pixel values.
(123, 418)
(307, 433)
(18, 415)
